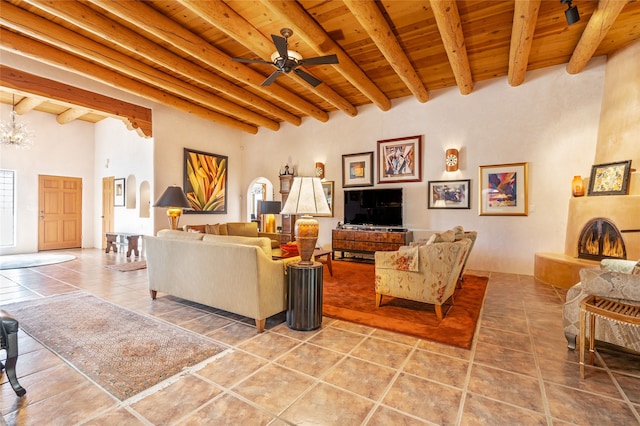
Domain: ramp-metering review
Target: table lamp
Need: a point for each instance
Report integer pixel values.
(306, 198)
(174, 199)
(268, 209)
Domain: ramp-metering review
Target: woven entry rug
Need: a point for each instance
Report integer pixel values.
(129, 266)
(120, 350)
(350, 295)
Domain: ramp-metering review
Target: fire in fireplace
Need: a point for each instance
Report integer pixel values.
(601, 239)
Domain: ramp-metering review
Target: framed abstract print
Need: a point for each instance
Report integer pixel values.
(400, 160)
(357, 169)
(503, 190)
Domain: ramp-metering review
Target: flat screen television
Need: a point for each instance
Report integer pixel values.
(376, 207)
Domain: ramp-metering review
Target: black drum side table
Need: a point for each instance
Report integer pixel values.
(304, 296)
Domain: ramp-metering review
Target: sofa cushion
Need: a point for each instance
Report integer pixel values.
(263, 243)
(213, 229)
(171, 234)
(195, 228)
(243, 229)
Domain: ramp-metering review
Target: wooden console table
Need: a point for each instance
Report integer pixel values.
(114, 239)
(368, 241)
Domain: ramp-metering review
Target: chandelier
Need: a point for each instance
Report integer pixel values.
(15, 134)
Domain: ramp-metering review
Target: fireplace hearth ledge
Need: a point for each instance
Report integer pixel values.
(559, 269)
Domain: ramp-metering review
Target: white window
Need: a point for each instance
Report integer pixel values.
(7, 207)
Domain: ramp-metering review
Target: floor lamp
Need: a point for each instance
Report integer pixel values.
(268, 209)
(306, 198)
(175, 201)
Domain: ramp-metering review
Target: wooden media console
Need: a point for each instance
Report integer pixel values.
(368, 241)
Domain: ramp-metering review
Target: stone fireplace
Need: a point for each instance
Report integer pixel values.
(601, 239)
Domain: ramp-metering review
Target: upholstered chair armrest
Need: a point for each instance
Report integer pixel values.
(270, 235)
(615, 285)
(617, 265)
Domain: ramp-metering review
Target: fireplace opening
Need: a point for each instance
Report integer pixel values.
(601, 239)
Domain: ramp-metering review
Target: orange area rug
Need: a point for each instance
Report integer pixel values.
(350, 295)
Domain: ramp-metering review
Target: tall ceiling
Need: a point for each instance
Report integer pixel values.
(179, 52)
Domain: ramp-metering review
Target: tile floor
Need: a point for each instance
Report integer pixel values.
(517, 372)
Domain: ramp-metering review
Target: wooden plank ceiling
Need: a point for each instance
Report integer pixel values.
(179, 52)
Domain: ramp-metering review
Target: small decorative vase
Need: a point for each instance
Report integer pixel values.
(577, 186)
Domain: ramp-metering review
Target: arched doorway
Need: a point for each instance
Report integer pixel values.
(260, 189)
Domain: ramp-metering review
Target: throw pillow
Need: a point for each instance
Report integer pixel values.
(445, 237)
(458, 231)
(213, 229)
(636, 269)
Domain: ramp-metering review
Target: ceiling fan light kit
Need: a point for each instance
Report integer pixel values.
(286, 60)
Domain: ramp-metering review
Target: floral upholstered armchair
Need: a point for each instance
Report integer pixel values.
(426, 273)
(618, 280)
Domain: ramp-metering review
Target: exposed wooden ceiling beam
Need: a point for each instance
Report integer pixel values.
(84, 17)
(597, 28)
(450, 28)
(64, 60)
(153, 22)
(313, 34)
(374, 23)
(139, 117)
(70, 115)
(26, 104)
(525, 16)
(220, 15)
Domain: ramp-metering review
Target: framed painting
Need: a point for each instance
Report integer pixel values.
(357, 169)
(610, 178)
(503, 190)
(400, 160)
(205, 181)
(449, 194)
(327, 187)
(118, 192)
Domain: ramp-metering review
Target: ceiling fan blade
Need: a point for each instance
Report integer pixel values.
(251, 61)
(271, 78)
(281, 45)
(308, 77)
(320, 60)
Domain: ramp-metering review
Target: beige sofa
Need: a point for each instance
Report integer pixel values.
(235, 274)
(616, 280)
(240, 229)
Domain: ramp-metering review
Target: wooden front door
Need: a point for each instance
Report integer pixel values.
(60, 212)
(107, 208)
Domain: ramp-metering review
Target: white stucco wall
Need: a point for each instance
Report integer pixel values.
(550, 121)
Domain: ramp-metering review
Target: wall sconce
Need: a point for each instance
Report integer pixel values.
(571, 14)
(451, 160)
(174, 199)
(577, 186)
(320, 170)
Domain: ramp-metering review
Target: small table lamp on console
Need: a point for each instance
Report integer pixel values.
(268, 209)
(306, 198)
(174, 199)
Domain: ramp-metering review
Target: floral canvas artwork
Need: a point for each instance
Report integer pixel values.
(205, 181)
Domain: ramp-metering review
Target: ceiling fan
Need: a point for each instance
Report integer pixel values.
(286, 60)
